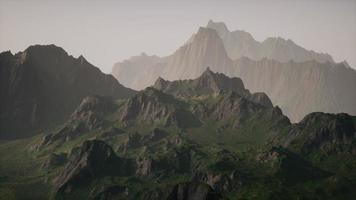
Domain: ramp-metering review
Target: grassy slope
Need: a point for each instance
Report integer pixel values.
(20, 177)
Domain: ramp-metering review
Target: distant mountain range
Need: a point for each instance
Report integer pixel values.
(41, 86)
(297, 80)
(240, 44)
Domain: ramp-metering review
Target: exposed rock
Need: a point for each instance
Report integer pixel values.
(220, 182)
(301, 88)
(88, 116)
(322, 131)
(134, 140)
(261, 98)
(54, 160)
(93, 160)
(210, 83)
(143, 167)
(42, 86)
(152, 106)
(231, 106)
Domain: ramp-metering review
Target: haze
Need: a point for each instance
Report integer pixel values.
(109, 31)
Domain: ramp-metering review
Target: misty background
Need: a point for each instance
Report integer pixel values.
(106, 32)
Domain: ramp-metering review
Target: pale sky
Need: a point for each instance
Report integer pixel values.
(105, 32)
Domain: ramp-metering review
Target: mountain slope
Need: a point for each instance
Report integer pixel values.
(138, 71)
(41, 86)
(189, 61)
(301, 88)
(210, 83)
(207, 139)
(298, 88)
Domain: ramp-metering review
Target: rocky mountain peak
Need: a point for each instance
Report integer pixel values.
(43, 85)
(160, 83)
(205, 33)
(41, 50)
(220, 27)
(218, 82)
(82, 60)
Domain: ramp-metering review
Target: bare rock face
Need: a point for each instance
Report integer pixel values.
(322, 131)
(301, 88)
(93, 160)
(207, 83)
(193, 191)
(153, 106)
(43, 85)
(220, 182)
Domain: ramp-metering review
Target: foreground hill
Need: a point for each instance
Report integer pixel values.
(41, 86)
(205, 138)
(313, 84)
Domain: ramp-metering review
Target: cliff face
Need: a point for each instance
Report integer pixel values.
(241, 44)
(301, 88)
(42, 86)
(191, 60)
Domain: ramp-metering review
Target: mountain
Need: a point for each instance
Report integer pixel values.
(204, 138)
(143, 66)
(301, 88)
(298, 88)
(210, 83)
(41, 87)
(241, 44)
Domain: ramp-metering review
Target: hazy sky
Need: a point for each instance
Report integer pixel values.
(109, 31)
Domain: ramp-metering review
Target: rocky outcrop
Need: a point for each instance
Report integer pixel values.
(230, 106)
(210, 83)
(93, 160)
(41, 86)
(206, 84)
(220, 182)
(193, 191)
(322, 131)
(88, 116)
(152, 106)
(54, 160)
